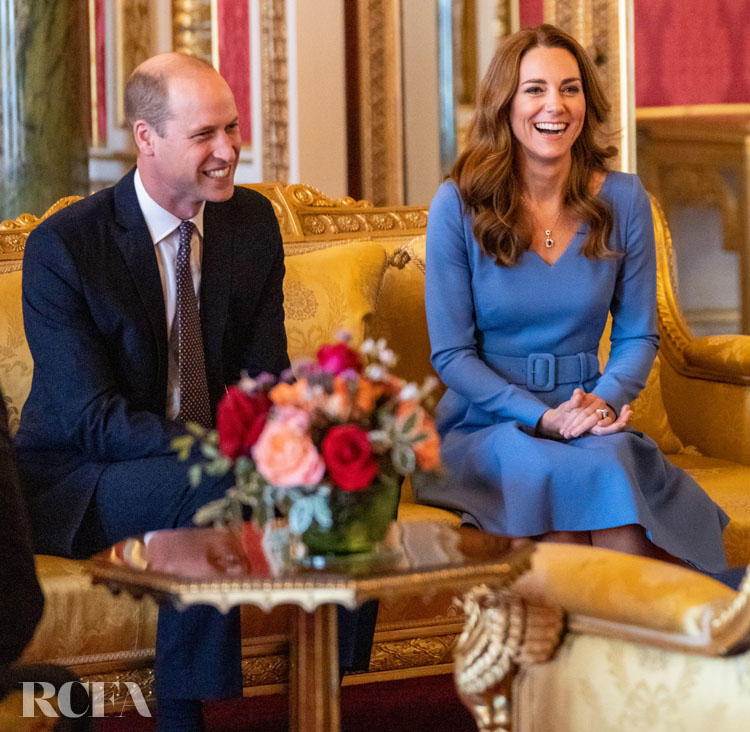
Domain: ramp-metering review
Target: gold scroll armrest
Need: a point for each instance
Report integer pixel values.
(720, 358)
(607, 593)
(705, 381)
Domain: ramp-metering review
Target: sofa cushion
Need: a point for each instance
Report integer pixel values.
(649, 415)
(16, 366)
(726, 483)
(329, 291)
(400, 315)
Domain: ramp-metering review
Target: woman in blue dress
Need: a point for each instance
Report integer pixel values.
(531, 242)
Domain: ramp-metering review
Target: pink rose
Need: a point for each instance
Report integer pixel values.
(240, 418)
(348, 455)
(338, 357)
(284, 453)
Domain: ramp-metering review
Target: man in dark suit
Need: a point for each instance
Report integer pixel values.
(141, 303)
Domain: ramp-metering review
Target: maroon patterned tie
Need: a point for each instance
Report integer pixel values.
(194, 402)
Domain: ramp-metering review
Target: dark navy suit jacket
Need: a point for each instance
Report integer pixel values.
(94, 317)
(21, 598)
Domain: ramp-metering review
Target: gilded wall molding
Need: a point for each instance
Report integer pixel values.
(605, 29)
(193, 32)
(506, 18)
(192, 28)
(134, 43)
(380, 101)
(275, 90)
(117, 698)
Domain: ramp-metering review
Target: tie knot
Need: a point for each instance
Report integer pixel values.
(186, 229)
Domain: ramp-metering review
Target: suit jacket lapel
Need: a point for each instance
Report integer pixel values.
(137, 248)
(216, 271)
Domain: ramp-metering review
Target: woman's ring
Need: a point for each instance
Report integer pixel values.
(603, 413)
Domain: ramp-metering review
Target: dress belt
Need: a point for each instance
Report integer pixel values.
(545, 371)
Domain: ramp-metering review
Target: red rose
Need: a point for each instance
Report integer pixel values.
(240, 419)
(348, 456)
(338, 357)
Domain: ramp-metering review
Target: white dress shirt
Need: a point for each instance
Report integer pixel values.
(163, 227)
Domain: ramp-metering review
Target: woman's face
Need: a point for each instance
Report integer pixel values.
(549, 107)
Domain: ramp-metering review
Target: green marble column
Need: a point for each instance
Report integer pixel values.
(44, 106)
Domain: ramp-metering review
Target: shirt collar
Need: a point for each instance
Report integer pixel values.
(160, 222)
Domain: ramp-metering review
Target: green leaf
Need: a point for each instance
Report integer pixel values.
(322, 512)
(220, 466)
(182, 446)
(210, 451)
(195, 473)
(196, 430)
(404, 459)
(380, 437)
(408, 426)
(301, 515)
(215, 512)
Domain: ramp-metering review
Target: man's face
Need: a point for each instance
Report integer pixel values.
(196, 158)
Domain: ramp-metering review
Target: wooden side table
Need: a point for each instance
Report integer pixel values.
(225, 568)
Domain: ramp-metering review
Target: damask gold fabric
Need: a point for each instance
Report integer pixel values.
(708, 413)
(15, 359)
(728, 483)
(81, 620)
(328, 291)
(649, 415)
(400, 315)
(603, 685)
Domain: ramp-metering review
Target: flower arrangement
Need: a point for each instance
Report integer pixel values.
(324, 446)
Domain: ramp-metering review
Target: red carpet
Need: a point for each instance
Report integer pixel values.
(411, 705)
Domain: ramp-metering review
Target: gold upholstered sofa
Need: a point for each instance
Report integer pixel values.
(354, 267)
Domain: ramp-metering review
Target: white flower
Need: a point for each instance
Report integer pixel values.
(376, 372)
(368, 347)
(409, 392)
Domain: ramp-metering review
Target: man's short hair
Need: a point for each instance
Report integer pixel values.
(146, 94)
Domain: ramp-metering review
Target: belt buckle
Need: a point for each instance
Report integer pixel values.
(541, 372)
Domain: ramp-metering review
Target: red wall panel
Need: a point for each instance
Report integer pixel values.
(531, 12)
(233, 25)
(692, 52)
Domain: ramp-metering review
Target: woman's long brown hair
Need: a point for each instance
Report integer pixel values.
(486, 172)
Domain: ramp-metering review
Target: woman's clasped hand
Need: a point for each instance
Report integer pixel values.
(583, 412)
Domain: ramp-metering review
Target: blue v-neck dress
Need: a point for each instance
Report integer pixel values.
(485, 321)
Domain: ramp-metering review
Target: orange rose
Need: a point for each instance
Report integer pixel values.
(368, 393)
(339, 404)
(427, 449)
(289, 395)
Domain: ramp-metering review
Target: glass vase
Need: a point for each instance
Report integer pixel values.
(360, 519)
